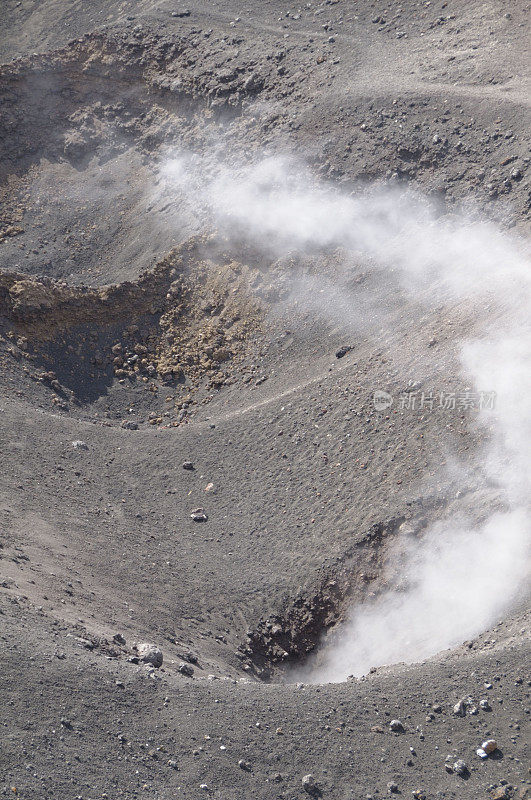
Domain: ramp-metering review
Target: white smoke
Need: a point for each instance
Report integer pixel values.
(458, 580)
(460, 576)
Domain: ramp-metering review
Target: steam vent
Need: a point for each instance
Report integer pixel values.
(265, 399)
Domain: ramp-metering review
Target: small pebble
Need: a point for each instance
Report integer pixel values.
(309, 785)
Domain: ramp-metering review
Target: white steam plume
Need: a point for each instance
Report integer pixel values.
(460, 576)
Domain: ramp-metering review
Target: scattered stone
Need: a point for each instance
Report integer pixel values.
(245, 765)
(396, 725)
(185, 12)
(172, 763)
(500, 793)
(489, 746)
(188, 465)
(460, 767)
(460, 708)
(128, 425)
(150, 654)
(392, 787)
(309, 785)
(79, 445)
(198, 515)
(191, 658)
(485, 705)
(186, 669)
(343, 351)
(118, 638)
